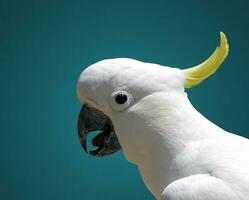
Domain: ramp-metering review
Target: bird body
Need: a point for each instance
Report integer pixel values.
(143, 108)
(187, 144)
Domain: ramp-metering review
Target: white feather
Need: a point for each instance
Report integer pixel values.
(180, 154)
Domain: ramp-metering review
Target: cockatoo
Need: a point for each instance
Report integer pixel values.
(143, 109)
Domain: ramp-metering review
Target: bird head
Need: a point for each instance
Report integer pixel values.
(120, 97)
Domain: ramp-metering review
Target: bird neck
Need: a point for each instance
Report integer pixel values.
(162, 125)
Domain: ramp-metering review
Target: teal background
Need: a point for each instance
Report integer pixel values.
(44, 46)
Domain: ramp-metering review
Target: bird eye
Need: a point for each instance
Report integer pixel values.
(120, 100)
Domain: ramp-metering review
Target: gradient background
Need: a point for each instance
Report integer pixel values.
(44, 46)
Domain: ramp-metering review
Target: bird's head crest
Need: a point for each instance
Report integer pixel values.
(197, 74)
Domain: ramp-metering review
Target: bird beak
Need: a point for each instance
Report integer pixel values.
(90, 120)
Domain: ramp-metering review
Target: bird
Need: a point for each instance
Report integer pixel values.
(143, 109)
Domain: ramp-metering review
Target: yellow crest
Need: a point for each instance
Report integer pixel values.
(197, 74)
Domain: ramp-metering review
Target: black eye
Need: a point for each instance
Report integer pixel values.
(121, 99)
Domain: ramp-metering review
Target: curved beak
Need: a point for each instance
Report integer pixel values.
(90, 120)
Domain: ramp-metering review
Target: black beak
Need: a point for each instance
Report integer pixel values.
(90, 120)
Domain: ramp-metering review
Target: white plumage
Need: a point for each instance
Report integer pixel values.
(180, 154)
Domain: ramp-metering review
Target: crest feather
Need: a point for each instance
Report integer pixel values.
(197, 74)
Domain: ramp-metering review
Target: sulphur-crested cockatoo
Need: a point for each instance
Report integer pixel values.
(142, 108)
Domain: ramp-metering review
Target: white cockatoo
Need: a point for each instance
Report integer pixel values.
(143, 109)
